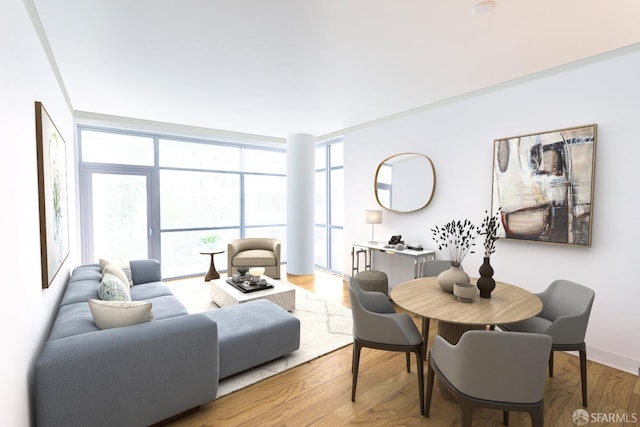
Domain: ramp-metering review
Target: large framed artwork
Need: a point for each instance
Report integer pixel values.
(53, 195)
(544, 184)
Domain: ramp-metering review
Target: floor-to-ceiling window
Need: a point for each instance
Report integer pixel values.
(150, 195)
(329, 212)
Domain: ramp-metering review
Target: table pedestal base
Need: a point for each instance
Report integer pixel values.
(212, 273)
(452, 333)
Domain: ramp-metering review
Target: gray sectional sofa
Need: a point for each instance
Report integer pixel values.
(145, 373)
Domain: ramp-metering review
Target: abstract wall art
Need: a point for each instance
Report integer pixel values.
(544, 184)
(53, 195)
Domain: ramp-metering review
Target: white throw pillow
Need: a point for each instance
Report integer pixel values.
(114, 314)
(126, 267)
(113, 289)
(117, 271)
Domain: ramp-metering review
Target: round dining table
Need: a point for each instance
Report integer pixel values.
(424, 297)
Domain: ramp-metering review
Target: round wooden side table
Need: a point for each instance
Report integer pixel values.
(212, 273)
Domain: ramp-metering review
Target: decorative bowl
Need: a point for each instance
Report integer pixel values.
(243, 270)
(464, 291)
(256, 272)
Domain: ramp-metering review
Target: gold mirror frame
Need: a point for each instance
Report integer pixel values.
(410, 182)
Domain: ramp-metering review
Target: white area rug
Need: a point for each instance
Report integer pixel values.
(325, 326)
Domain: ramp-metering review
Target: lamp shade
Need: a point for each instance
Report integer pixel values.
(373, 217)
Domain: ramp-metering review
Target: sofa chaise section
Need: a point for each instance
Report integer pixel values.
(254, 333)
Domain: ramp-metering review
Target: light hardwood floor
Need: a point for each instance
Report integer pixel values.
(318, 393)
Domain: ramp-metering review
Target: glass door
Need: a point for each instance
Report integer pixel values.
(118, 222)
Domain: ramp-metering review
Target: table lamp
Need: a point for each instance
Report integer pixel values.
(372, 217)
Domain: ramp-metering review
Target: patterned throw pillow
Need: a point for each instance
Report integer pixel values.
(112, 289)
(114, 314)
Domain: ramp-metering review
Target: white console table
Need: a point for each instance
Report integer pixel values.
(367, 249)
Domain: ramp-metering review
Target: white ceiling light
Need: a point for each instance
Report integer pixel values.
(483, 7)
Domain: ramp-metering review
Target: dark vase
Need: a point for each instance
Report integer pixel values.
(486, 284)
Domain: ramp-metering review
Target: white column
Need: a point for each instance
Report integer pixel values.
(301, 153)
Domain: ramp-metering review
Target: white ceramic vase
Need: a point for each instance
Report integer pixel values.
(447, 278)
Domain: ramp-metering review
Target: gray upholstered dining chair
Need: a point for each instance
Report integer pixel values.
(566, 307)
(432, 268)
(492, 369)
(376, 325)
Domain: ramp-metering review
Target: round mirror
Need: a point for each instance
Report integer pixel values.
(405, 182)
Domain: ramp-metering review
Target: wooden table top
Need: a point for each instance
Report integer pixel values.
(211, 252)
(508, 303)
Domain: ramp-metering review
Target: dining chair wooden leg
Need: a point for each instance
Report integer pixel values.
(408, 361)
(356, 361)
(430, 378)
(583, 375)
(420, 364)
(353, 355)
(505, 418)
(581, 348)
(466, 412)
(425, 335)
(537, 416)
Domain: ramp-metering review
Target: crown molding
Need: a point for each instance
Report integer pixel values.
(489, 89)
(46, 47)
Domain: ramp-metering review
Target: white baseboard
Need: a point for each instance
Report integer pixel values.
(614, 360)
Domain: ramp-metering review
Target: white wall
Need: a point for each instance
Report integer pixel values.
(458, 137)
(25, 77)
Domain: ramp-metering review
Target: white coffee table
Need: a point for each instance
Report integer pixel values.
(282, 294)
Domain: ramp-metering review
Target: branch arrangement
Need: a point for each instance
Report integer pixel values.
(489, 229)
(455, 238)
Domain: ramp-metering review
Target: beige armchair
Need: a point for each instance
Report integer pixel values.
(254, 252)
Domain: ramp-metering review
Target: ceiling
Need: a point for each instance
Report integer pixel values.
(279, 67)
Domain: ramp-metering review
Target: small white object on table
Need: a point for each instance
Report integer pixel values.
(256, 272)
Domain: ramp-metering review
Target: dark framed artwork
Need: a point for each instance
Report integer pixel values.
(544, 184)
(52, 195)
